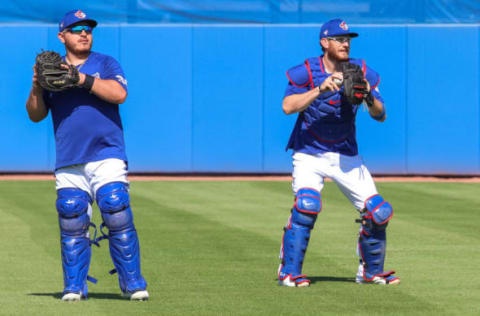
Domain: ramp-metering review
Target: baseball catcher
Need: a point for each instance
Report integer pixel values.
(83, 90)
(53, 73)
(326, 91)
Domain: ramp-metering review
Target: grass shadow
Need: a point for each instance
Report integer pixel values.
(97, 296)
(316, 279)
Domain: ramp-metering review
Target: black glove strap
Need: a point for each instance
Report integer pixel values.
(88, 83)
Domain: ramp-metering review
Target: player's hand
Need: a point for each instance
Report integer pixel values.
(368, 86)
(329, 83)
(81, 76)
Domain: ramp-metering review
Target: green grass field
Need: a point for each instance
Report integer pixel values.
(211, 248)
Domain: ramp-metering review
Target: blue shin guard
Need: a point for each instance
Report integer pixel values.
(372, 241)
(296, 237)
(114, 203)
(72, 206)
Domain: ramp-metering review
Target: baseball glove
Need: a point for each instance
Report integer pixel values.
(51, 75)
(354, 87)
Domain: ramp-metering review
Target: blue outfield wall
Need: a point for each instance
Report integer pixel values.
(207, 98)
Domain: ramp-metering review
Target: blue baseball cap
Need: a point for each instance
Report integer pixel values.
(336, 27)
(73, 17)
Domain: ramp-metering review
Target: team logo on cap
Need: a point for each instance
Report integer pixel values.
(344, 26)
(79, 14)
(325, 33)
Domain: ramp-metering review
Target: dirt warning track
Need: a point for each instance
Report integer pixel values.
(246, 177)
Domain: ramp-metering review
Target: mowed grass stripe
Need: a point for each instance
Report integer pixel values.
(212, 248)
(451, 207)
(30, 258)
(331, 269)
(436, 227)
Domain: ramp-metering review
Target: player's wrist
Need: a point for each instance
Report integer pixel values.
(37, 89)
(369, 99)
(321, 89)
(87, 82)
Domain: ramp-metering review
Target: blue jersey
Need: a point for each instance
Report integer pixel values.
(328, 124)
(86, 127)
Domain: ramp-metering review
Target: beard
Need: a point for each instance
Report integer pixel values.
(77, 49)
(342, 56)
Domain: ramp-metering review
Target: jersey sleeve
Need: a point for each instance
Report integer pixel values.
(114, 71)
(291, 89)
(373, 79)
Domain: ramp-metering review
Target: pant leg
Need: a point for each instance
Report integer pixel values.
(106, 171)
(308, 172)
(353, 179)
(73, 177)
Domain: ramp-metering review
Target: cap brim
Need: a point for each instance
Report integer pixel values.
(90, 22)
(351, 34)
(93, 23)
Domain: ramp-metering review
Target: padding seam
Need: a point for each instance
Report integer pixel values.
(296, 85)
(298, 276)
(375, 209)
(307, 211)
(66, 211)
(113, 197)
(307, 63)
(365, 203)
(321, 64)
(321, 140)
(376, 85)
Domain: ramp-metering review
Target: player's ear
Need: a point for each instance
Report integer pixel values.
(61, 37)
(324, 43)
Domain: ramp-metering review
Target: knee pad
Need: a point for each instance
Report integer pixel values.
(307, 205)
(114, 202)
(377, 213)
(297, 232)
(308, 201)
(72, 207)
(372, 240)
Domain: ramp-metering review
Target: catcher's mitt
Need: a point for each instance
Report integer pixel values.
(51, 75)
(354, 87)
